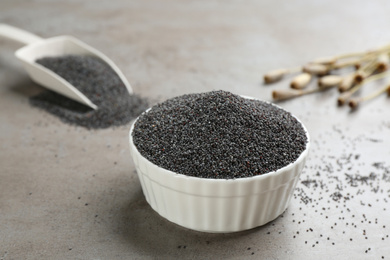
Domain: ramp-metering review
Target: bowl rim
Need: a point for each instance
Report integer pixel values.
(279, 171)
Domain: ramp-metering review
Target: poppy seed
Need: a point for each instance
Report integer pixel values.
(219, 135)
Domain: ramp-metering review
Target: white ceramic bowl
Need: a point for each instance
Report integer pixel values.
(217, 205)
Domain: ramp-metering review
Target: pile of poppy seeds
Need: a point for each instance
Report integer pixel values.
(99, 83)
(219, 135)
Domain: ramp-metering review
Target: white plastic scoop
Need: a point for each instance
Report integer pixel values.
(37, 47)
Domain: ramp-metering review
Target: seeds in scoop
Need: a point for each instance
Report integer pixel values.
(97, 81)
(301, 81)
(218, 135)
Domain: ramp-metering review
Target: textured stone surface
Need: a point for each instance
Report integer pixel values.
(70, 193)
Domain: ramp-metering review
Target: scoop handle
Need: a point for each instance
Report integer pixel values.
(19, 35)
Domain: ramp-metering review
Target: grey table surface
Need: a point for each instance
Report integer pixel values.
(71, 193)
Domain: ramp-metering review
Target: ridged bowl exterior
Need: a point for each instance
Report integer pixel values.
(217, 205)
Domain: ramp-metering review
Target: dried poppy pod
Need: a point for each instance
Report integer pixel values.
(326, 60)
(316, 69)
(383, 62)
(358, 65)
(284, 94)
(353, 103)
(343, 64)
(347, 94)
(275, 75)
(360, 76)
(347, 82)
(356, 62)
(365, 71)
(301, 81)
(329, 81)
(343, 98)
